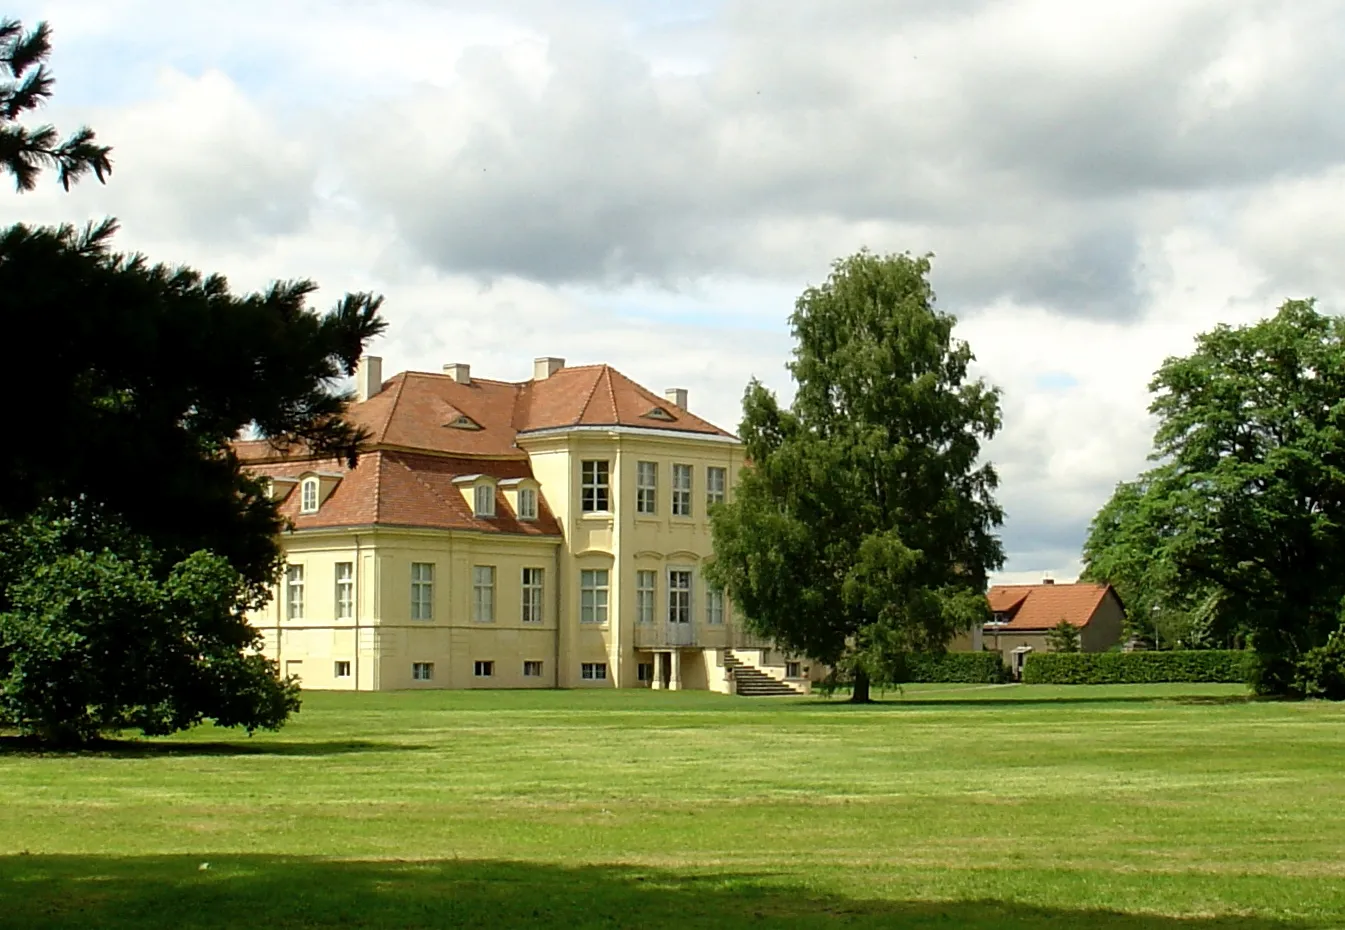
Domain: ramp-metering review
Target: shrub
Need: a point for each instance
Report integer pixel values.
(959, 667)
(1321, 671)
(1117, 668)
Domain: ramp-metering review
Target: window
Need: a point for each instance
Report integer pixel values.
(593, 671)
(679, 596)
(715, 480)
(714, 605)
(485, 500)
(593, 596)
(422, 671)
(422, 590)
(294, 592)
(792, 670)
(644, 597)
(644, 671)
(342, 670)
(345, 590)
(681, 501)
(483, 669)
(532, 595)
(595, 488)
(527, 503)
(646, 487)
(483, 593)
(532, 669)
(308, 496)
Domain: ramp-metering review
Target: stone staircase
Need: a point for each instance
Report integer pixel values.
(750, 681)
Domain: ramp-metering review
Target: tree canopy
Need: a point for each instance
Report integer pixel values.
(863, 526)
(25, 85)
(1240, 526)
(132, 543)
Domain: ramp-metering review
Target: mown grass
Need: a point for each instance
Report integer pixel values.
(1166, 806)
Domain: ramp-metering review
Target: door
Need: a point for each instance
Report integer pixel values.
(679, 607)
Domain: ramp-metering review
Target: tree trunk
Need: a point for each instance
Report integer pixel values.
(861, 693)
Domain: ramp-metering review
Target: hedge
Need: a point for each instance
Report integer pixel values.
(1124, 668)
(961, 667)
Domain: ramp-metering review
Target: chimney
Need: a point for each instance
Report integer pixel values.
(1047, 579)
(368, 377)
(676, 396)
(543, 368)
(459, 372)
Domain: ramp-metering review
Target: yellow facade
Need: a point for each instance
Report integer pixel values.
(374, 617)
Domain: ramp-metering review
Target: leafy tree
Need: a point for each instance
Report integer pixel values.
(131, 541)
(1243, 517)
(25, 85)
(862, 529)
(1063, 637)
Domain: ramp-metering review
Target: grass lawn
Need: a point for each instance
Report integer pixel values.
(1177, 807)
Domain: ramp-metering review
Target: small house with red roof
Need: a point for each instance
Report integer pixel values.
(1023, 615)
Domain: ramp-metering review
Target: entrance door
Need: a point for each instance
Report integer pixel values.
(679, 607)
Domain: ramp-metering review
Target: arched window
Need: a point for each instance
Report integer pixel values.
(308, 496)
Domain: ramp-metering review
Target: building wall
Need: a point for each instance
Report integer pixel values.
(1106, 626)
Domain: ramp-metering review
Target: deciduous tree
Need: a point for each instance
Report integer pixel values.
(863, 527)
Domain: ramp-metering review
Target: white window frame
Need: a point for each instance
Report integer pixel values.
(680, 597)
(532, 584)
(308, 495)
(294, 592)
(593, 671)
(595, 486)
(595, 585)
(646, 595)
(483, 668)
(682, 484)
(646, 488)
(483, 500)
(345, 590)
(422, 671)
(338, 671)
(527, 503)
(532, 668)
(422, 590)
(714, 605)
(716, 485)
(483, 593)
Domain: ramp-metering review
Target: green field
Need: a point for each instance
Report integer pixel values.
(1168, 806)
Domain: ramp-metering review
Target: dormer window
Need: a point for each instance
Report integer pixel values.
(485, 500)
(308, 496)
(527, 504)
(658, 413)
(462, 421)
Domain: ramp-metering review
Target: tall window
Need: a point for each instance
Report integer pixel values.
(593, 596)
(532, 595)
(422, 590)
(308, 496)
(714, 605)
(294, 592)
(345, 590)
(595, 487)
(485, 500)
(646, 487)
(483, 593)
(679, 596)
(681, 498)
(644, 597)
(715, 480)
(527, 503)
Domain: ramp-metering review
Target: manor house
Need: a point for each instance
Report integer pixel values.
(494, 534)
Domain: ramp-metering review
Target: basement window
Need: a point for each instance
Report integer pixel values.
(793, 670)
(483, 669)
(593, 671)
(422, 671)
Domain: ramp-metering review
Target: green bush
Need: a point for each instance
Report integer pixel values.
(1133, 668)
(1321, 671)
(960, 667)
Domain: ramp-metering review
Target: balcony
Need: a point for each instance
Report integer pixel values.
(664, 635)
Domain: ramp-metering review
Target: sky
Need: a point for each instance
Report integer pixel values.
(652, 184)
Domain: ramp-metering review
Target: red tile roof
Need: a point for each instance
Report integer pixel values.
(405, 476)
(1042, 606)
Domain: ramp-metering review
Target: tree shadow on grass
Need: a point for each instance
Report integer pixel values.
(138, 749)
(50, 892)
